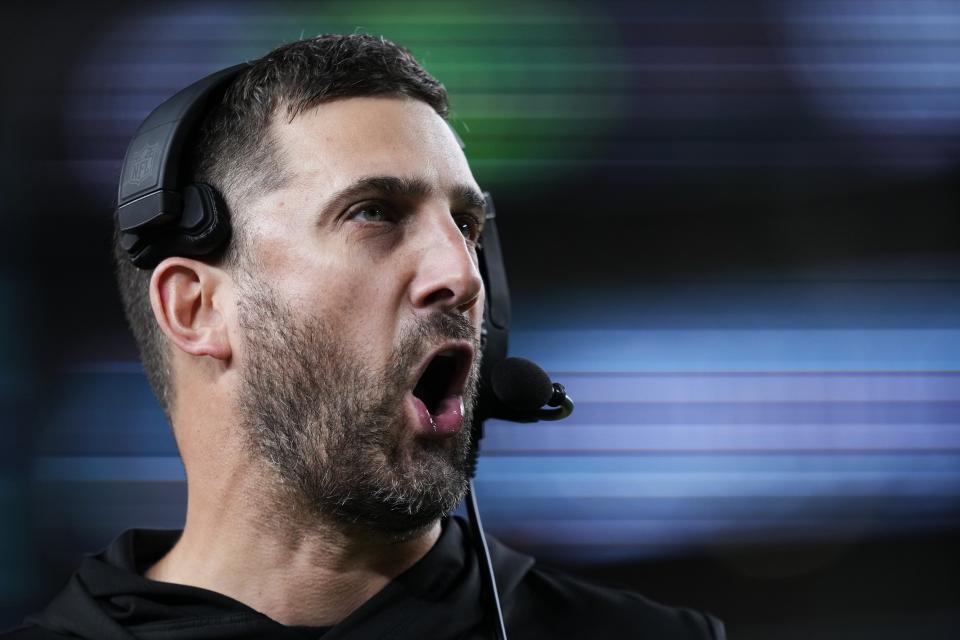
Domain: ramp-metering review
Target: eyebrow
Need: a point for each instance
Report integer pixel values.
(462, 196)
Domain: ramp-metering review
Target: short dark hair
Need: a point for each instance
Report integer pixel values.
(235, 153)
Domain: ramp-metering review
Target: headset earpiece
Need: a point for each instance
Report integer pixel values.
(204, 227)
(202, 230)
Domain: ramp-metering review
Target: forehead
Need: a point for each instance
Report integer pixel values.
(333, 144)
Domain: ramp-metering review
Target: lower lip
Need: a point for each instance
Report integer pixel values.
(447, 423)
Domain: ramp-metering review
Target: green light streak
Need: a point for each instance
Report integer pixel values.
(532, 88)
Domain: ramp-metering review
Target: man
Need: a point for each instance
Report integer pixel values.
(320, 375)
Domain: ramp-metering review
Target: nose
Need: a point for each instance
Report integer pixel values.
(447, 276)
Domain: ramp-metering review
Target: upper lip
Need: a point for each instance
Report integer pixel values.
(464, 361)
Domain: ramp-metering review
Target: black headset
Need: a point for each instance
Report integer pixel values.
(161, 213)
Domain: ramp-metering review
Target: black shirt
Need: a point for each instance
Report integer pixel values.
(439, 597)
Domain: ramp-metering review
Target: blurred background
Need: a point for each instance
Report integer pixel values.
(732, 230)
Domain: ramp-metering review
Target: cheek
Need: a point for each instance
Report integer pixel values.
(361, 308)
(359, 296)
(356, 289)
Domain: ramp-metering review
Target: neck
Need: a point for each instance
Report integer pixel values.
(297, 571)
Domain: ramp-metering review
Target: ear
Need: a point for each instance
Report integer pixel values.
(186, 296)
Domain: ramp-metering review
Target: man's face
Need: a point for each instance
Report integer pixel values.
(359, 311)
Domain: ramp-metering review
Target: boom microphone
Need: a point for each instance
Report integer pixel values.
(520, 390)
(523, 388)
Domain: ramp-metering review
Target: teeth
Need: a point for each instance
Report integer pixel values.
(447, 353)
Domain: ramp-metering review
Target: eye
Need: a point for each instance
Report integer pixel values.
(469, 226)
(372, 212)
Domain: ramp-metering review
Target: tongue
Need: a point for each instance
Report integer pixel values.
(448, 416)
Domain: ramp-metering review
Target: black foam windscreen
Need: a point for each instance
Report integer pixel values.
(521, 384)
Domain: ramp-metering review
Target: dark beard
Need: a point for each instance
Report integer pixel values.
(334, 432)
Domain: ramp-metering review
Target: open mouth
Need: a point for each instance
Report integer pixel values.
(444, 377)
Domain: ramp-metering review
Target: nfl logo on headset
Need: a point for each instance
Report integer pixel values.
(142, 164)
